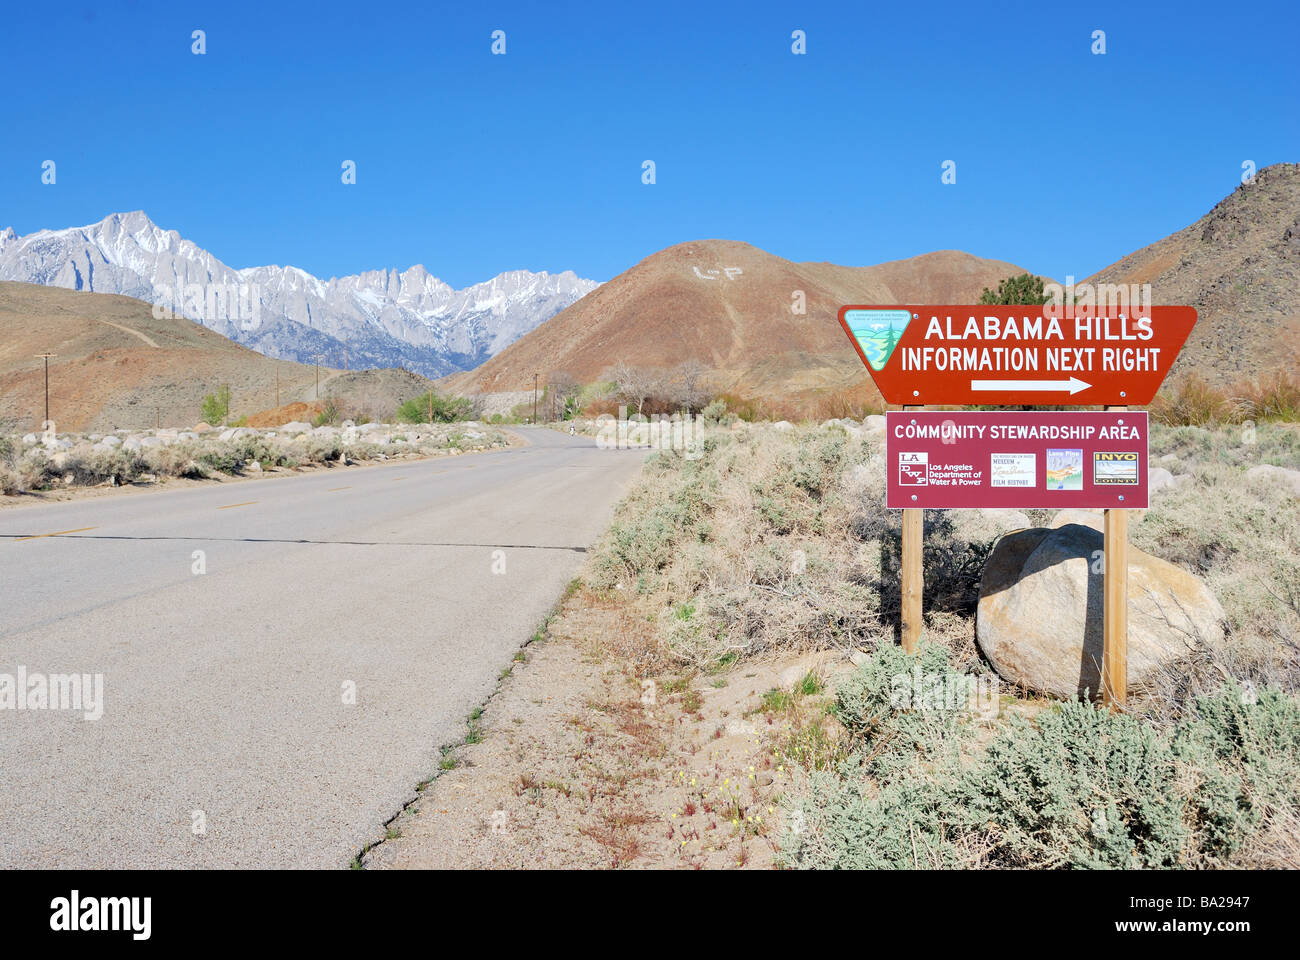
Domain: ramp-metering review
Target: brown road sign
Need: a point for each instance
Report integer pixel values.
(1016, 354)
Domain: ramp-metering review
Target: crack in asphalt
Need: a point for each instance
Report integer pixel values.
(351, 543)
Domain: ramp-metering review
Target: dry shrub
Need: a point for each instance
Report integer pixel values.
(1276, 396)
(1193, 401)
(750, 548)
(1243, 537)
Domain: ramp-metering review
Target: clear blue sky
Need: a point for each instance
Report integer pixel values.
(472, 164)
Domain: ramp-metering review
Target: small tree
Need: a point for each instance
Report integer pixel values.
(216, 406)
(1013, 291)
(565, 389)
(634, 384)
(687, 390)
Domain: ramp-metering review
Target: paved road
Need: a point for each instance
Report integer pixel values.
(223, 692)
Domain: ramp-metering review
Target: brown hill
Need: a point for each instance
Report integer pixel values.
(1239, 265)
(729, 305)
(118, 366)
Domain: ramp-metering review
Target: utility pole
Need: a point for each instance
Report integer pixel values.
(534, 398)
(431, 404)
(318, 360)
(46, 357)
(277, 386)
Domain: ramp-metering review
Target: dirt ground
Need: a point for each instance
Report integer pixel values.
(576, 762)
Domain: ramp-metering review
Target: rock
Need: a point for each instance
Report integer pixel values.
(111, 441)
(253, 466)
(875, 421)
(30, 439)
(858, 658)
(1006, 520)
(295, 426)
(1289, 478)
(1158, 478)
(201, 427)
(150, 443)
(1039, 619)
(782, 426)
(132, 444)
(1087, 518)
(187, 435)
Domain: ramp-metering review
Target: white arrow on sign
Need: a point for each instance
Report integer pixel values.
(1074, 385)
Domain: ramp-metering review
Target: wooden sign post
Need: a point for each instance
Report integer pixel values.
(913, 573)
(1019, 355)
(1114, 655)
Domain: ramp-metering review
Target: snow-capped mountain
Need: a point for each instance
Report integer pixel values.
(382, 318)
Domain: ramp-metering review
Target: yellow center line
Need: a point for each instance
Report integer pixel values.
(57, 533)
(336, 489)
(231, 506)
(399, 478)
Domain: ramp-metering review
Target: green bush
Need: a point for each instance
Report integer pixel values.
(1081, 787)
(891, 803)
(445, 409)
(329, 414)
(1076, 787)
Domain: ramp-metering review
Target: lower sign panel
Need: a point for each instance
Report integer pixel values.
(951, 459)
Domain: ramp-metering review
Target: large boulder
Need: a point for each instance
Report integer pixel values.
(1266, 471)
(1080, 515)
(1040, 613)
(1158, 478)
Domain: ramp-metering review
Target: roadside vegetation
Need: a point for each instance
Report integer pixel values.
(776, 542)
(31, 464)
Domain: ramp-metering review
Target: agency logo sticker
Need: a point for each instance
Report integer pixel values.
(877, 332)
(1013, 470)
(913, 469)
(1115, 469)
(1064, 469)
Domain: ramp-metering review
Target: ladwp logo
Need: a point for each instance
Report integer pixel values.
(913, 469)
(103, 913)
